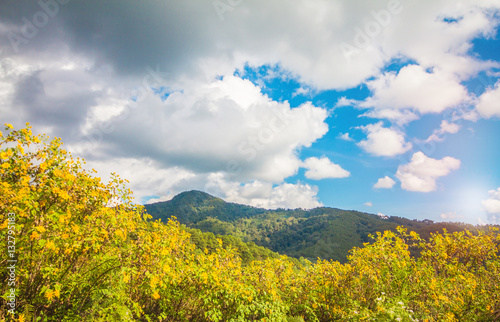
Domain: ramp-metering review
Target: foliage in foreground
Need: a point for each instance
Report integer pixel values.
(79, 259)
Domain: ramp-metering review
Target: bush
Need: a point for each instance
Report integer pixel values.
(86, 252)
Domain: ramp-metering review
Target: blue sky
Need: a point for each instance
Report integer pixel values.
(456, 199)
(388, 107)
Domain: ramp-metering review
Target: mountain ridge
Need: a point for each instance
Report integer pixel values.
(323, 232)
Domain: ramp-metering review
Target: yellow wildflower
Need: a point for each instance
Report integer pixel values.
(5, 154)
(57, 293)
(9, 126)
(49, 294)
(40, 229)
(50, 245)
(120, 234)
(34, 235)
(20, 148)
(156, 295)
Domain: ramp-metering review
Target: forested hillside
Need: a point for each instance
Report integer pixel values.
(325, 233)
(78, 249)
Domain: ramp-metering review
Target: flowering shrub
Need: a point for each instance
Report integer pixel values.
(86, 252)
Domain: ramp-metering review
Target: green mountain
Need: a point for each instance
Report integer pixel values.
(191, 207)
(326, 233)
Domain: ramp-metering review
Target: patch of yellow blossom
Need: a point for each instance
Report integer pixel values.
(34, 235)
(40, 229)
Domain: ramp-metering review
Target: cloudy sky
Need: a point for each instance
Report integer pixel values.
(387, 107)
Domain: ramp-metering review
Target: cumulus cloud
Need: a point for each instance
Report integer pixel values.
(86, 76)
(445, 127)
(382, 141)
(422, 172)
(382, 216)
(416, 89)
(225, 125)
(488, 104)
(310, 48)
(323, 168)
(344, 101)
(368, 204)
(148, 177)
(492, 204)
(262, 194)
(345, 137)
(399, 117)
(384, 183)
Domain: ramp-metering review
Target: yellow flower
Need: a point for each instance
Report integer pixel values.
(156, 295)
(9, 126)
(20, 148)
(126, 277)
(21, 318)
(40, 229)
(120, 234)
(49, 294)
(34, 235)
(5, 165)
(63, 194)
(56, 293)
(50, 245)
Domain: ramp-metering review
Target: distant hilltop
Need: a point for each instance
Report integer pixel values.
(324, 232)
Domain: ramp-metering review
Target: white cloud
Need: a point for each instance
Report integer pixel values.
(262, 194)
(343, 101)
(303, 91)
(416, 89)
(488, 104)
(323, 168)
(304, 38)
(492, 204)
(166, 197)
(74, 79)
(422, 172)
(384, 183)
(147, 177)
(450, 215)
(382, 216)
(399, 117)
(368, 204)
(345, 137)
(435, 43)
(445, 127)
(226, 125)
(383, 141)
